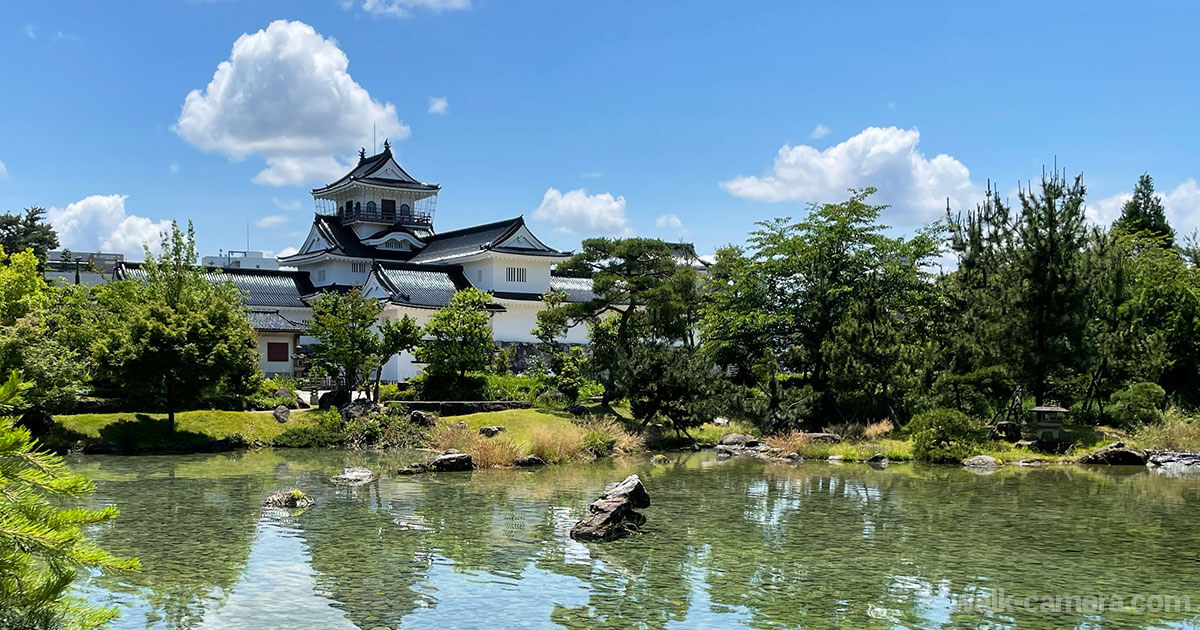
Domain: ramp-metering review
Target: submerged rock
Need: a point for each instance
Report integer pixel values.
(612, 514)
(526, 461)
(490, 431)
(447, 462)
(1173, 464)
(835, 459)
(282, 413)
(659, 459)
(981, 462)
(1115, 454)
(727, 451)
(1032, 461)
(422, 418)
(354, 476)
(289, 499)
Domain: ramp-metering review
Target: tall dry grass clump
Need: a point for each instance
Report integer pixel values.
(793, 442)
(494, 453)
(1175, 432)
(556, 444)
(445, 436)
(876, 430)
(624, 442)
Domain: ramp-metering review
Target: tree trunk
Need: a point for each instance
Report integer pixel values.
(170, 395)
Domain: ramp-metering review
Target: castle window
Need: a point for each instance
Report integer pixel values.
(371, 209)
(320, 275)
(515, 274)
(358, 267)
(278, 351)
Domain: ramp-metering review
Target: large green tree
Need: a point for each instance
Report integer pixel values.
(30, 230)
(42, 542)
(458, 338)
(1144, 213)
(177, 336)
(346, 346)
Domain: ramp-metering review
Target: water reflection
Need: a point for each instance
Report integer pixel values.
(735, 543)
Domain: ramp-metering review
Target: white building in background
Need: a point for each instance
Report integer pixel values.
(374, 232)
(241, 259)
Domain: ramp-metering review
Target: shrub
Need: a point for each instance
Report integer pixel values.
(944, 435)
(876, 430)
(513, 387)
(1137, 404)
(393, 393)
(555, 444)
(469, 387)
(327, 432)
(392, 429)
(623, 441)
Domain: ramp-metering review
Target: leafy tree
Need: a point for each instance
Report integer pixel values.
(568, 366)
(177, 336)
(944, 435)
(42, 544)
(346, 346)
(395, 336)
(458, 337)
(19, 232)
(1144, 213)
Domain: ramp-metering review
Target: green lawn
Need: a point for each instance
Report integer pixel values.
(149, 432)
(518, 423)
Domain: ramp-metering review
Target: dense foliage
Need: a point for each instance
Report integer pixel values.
(42, 545)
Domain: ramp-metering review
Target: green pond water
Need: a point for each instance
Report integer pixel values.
(738, 543)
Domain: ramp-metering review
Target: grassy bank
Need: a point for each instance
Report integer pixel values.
(133, 432)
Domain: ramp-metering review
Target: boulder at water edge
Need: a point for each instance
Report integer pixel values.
(354, 476)
(526, 461)
(1115, 454)
(981, 462)
(282, 413)
(289, 499)
(612, 515)
(448, 462)
(738, 439)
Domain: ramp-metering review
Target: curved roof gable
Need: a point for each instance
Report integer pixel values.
(379, 170)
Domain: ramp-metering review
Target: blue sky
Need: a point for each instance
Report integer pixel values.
(684, 120)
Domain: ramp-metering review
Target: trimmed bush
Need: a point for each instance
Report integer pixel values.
(1139, 403)
(945, 435)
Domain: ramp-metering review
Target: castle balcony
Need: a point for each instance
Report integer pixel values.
(415, 212)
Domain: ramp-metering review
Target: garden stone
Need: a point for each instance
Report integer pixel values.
(835, 459)
(612, 514)
(1115, 454)
(490, 431)
(981, 462)
(359, 409)
(459, 425)
(526, 461)
(335, 398)
(577, 410)
(289, 499)
(282, 413)
(283, 392)
(721, 422)
(727, 451)
(659, 459)
(354, 476)
(878, 460)
(739, 439)
(829, 438)
(422, 418)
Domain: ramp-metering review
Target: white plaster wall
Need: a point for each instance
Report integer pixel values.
(537, 275)
(336, 272)
(480, 274)
(275, 367)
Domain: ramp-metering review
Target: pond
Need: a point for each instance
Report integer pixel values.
(737, 543)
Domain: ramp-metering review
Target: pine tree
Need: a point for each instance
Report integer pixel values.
(1144, 214)
(42, 545)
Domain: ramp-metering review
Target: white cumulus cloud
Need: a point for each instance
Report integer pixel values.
(884, 157)
(3, 171)
(580, 213)
(286, 251)
(1182, 204)
(271, 220)
(100, 223)
(404, 8)
(438, 105)
(820, 131)
(285, 95)
(293, 204)
(671, 223)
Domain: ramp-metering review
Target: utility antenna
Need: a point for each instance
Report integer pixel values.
(373, 138)
(247, 236)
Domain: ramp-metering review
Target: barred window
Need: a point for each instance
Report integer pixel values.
(515, 274)
(358, 267)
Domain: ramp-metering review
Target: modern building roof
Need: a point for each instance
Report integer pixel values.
(272, 321)
(477, 238)
(261, 287)
(368, 171)
(423, 286)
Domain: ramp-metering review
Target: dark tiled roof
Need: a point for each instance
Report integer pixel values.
(466, 240)
(347, 241)
(429, 286)
(261, 287)
(272, 321)
(368, 166)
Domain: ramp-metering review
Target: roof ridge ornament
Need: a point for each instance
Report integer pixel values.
(362, 153)
(387, 147)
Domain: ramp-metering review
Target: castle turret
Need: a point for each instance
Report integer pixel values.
(379, 193)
